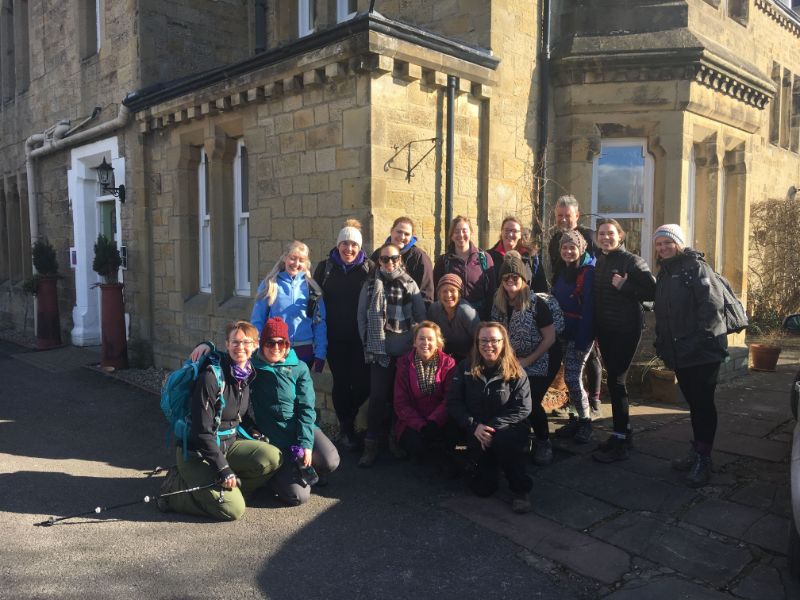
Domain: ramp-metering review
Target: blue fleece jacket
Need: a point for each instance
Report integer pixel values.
(578, 309)
(290, 305)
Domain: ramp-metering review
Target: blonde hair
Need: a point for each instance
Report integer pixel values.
(508, 365)
(352, 223)
(521, 302)
(429, 325)
(271, 280)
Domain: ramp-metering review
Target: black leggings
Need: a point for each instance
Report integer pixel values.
(539, 386)
(618, 349)
(507, 453)
(381, 392)
(698, 385)
(350, 380)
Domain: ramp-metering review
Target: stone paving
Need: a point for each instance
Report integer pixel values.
(635, 530)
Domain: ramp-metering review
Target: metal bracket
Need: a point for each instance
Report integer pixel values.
(409, 168)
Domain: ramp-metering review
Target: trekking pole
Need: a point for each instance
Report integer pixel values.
(147, 499)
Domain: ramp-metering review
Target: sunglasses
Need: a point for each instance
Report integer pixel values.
(511, 277)
(275, 343)
(385, 259)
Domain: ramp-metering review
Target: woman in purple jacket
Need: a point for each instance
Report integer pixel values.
(572, 288)
(420, 393)
(474, 266)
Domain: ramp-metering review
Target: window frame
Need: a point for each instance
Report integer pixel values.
(305, 17)
(648, 182)
(241, 222)
(342, 10)
(204, 225)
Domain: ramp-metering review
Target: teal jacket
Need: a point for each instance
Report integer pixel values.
(283, 400)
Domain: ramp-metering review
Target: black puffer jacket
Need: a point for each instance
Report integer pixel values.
(472, 401)
(620, 309)
(341, 290)
(690, 328)
(202, 438)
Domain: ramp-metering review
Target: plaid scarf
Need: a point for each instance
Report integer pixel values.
(426, 373)
(386, 311)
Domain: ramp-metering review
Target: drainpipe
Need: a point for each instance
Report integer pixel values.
(448, 168)
(48, 147)
(543, 61)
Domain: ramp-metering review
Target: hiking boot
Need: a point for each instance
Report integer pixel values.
(612, 450)
(171, 483)
(521, 503)
(322, 481)
(687, 462)
(608, 443)
(396, 450)
(543, 452)
(352, 442)
(583, 434)
(595, 409)
(569, 430)
(369, 455)
(700, 472)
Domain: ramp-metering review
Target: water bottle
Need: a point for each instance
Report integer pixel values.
(307, 474)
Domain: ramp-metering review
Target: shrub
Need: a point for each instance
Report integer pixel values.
(107, 260)
(44, 257)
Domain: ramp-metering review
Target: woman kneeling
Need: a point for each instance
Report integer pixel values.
(214, 451)
(490, 398)
(284, 407)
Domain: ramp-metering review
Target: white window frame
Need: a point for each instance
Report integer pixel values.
(305, 17)
(204, 224)
(241, 224)
(342, 11)
(98, 23)
(690, 198)
(648, 181)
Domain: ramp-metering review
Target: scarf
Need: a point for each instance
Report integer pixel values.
(385, 293)
(240, 374)
(426, 373)
(337, 259)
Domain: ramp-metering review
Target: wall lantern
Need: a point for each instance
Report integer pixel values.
(105, 175)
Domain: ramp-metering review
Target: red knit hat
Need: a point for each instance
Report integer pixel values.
(275, 327)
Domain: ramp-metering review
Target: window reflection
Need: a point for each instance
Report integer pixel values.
(620, 180)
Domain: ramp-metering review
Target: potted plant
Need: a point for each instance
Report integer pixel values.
(106, 263)
(765, 352)
(43, 284)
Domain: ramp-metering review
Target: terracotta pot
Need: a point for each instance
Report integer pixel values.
(48, 325)
(115, 346)
(664, 385)
(764, 357)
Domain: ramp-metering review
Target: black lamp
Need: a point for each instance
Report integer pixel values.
(105, 175)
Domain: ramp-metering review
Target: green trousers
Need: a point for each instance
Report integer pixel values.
(253, 462)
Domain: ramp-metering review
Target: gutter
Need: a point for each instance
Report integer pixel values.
(48, 147)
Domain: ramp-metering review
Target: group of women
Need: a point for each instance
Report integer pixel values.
(461, 349)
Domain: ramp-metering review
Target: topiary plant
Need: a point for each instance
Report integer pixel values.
(44, 258)
(107, 260)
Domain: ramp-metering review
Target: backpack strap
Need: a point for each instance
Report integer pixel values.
(213, 363)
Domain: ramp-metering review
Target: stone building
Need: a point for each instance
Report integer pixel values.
(248, 123)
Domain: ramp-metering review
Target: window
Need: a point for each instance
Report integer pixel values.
(204, 219)
(22, 51)
(90, 31)
(305, 17)
(739, 11)
(241, 220)
(622, 188)
(775, 109)
(719, 247)
(7, 48)
(786, 107)
(345, 9)
(794, 125)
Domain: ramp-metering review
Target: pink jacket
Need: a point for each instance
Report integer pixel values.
(413, 408)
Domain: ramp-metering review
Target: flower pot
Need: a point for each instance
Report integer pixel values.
(48, 325)
(664, 386)
(764, 357)
(115, 346)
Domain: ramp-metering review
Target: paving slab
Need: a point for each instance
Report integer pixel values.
(60, 360)
(733, 443)
(727, 518)
(693, 555)
(656, 445)
(579, 552)
(752, 426)
(770, 532)
(568, 507)
(764, 495)
(762, 582)
(666, 588)
(619, 487)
